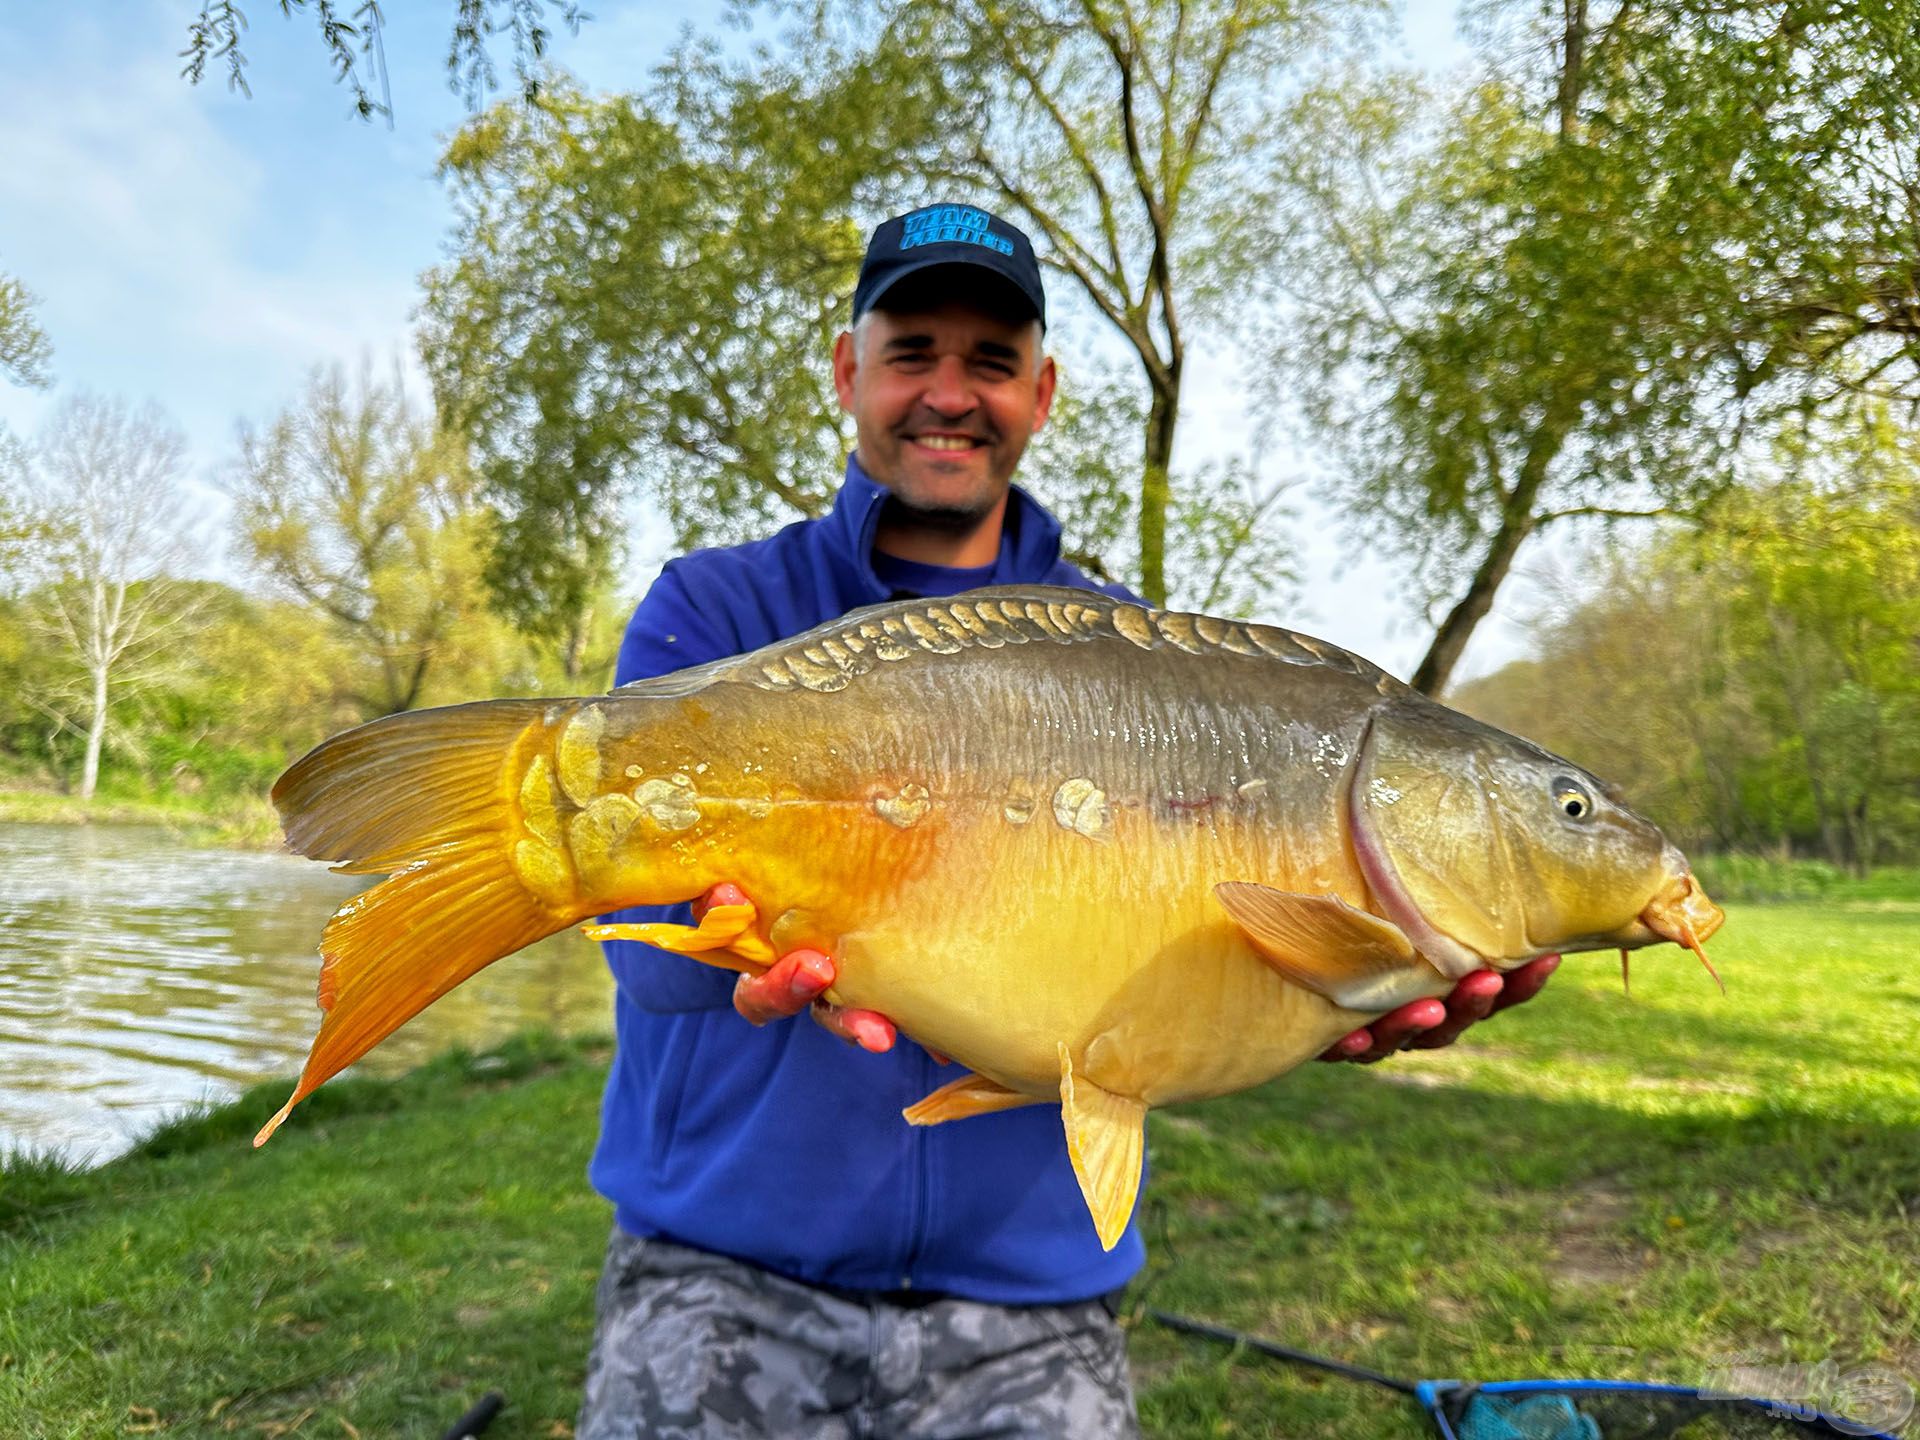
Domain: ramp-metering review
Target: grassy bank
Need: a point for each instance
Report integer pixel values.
(1590, 1185)
(247, 821)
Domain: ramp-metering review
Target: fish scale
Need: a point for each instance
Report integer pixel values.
(1107, 857)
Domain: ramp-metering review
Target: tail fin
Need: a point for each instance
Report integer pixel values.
(428, 796)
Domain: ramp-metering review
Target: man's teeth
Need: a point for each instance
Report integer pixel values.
(946, 442)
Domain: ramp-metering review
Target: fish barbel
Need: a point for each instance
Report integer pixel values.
(1106, 857)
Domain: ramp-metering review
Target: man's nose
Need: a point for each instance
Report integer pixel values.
(948, 392)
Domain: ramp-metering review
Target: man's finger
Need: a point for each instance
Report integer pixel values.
(790, 985)
(1347, 1047)
(868, 1029)
(1389, 1033)
(1474, 998)
(1397, 1028)
(1524, 981)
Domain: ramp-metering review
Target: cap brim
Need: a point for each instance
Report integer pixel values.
(937, 281)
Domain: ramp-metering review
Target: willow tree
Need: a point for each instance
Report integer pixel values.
(1568, 292)
(353, 503)
(353, 34)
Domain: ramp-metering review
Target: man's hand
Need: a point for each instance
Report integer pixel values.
(1429, 1024)
(795, 982)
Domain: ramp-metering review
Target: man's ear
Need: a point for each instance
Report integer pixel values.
(1043, 393)
(845, 362)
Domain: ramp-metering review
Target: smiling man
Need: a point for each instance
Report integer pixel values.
(789, 1257)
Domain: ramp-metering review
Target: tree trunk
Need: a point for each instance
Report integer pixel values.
(1517, 522)
(96, 734)
(574, 657)
(1156, 492)
(1450, 640)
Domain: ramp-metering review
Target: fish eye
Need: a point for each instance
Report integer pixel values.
(1571, 798)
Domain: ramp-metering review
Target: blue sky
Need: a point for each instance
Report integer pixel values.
(207, 250)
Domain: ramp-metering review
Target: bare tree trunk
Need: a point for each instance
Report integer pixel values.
(96, 734)
(1156, 493)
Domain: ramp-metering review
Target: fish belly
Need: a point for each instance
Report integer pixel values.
(1012, 943)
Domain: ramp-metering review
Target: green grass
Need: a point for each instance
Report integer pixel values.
(245, 820)
(1734, 876)
(1589, 1185)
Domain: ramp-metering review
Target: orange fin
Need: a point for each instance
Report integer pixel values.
(724, 938)
(1106, 1141)
(1356, 960)
(969, 1095)
(420, 795)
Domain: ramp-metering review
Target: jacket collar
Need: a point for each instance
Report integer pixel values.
(1029, 541)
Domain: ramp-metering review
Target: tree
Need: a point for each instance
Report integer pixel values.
(589, 345)
(24, 348)
(1827, 561)
(352, 502)
(1646, 228)
(354, 34)
(106, 483)
(1123, 137)
(1760, 673)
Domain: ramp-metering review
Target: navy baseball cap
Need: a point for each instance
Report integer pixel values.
(958, 235)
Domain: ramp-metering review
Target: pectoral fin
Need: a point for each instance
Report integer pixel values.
(969, 1095)
(1106, 1142)
(1356, 960)
(724, 937)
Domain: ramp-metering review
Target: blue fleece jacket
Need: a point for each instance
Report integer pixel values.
(781, 1145)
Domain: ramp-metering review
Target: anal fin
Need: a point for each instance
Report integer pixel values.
(969, 1095)
(723, 938)
(1106, 1141)
(1356, 960)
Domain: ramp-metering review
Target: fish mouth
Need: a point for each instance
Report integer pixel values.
(1680, 912)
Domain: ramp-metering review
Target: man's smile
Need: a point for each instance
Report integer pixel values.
(947, 443)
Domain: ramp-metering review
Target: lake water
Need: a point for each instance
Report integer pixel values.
(140, 974)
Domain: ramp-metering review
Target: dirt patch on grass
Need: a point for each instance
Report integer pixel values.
(1688, 1085)
(1182, 1124)
(1592, 1246)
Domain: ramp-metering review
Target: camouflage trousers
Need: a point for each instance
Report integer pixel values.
(688, 1344)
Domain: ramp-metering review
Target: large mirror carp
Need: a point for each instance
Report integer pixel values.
(1105, 857)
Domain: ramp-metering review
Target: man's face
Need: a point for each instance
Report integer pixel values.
(944, 397)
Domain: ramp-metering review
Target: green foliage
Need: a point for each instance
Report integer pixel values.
(352, 31)
(352, 503)
(1562, 293)
(24, 347)
(1741, 878)
(589, 345)
(592, 347)
(1756, 685)
(1124, 141)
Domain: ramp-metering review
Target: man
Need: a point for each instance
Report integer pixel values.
(789, 1258)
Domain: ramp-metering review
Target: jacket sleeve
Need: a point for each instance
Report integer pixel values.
(668, 632)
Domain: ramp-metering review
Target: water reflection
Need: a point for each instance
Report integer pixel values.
(139, 974)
